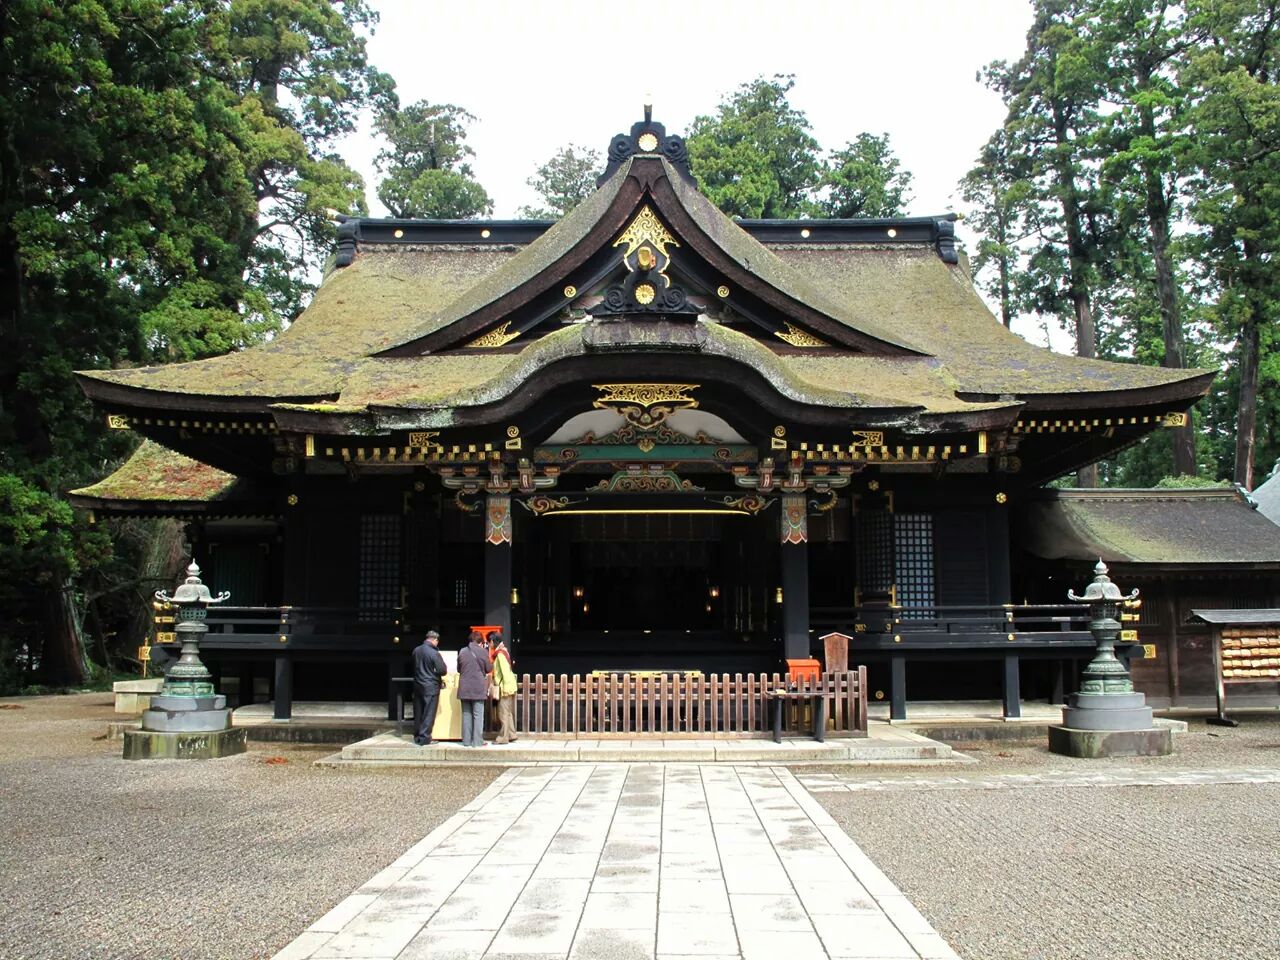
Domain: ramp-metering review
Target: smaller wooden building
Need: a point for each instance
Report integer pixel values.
(1184, 549)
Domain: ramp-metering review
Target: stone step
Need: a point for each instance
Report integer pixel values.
(390, 749)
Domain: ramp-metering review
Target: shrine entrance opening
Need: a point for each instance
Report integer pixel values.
(648, 590)
(647, 585)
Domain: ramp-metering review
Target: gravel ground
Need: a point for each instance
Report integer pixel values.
(1105, 873)
(233, 858)
(219, 859)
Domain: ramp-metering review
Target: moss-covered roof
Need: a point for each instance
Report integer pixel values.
(156, 473)
(1208, 527)
(394, 294)
(525, 267)
(456, 381)
(358, 310)
(934, 306)
(756, 258)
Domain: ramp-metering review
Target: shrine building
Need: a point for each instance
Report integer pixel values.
(646, 437)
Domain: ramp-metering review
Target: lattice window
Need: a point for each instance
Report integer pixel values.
(379, 565)
(460, 591)
(913, 563)
(875, 551)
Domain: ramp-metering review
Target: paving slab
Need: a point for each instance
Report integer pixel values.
(634, 861)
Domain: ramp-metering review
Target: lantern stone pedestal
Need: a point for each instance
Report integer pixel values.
(1107, 718)
(187, 720)
(1090, 744)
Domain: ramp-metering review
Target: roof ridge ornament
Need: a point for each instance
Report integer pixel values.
(647, 138)
(646, 288)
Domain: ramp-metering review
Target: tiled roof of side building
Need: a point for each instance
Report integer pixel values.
(1267, 496)
(1205, 527)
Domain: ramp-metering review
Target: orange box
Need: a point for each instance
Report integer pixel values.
(803, 669)
(486, 632)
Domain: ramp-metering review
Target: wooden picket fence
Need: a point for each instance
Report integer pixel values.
(683, 704)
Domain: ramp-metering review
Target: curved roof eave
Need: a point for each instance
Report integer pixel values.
(414, 392)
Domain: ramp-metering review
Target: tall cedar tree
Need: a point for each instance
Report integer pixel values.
(997, 191)
(866, 179)
(756, 157)
(426, 173)
(163, 178)
(1053, 94)
(564, 181)
(1234, 83)
(1144, 135)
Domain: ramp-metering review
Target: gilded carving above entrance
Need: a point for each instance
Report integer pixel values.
(632, 481)
(645, 406)
(645, 394)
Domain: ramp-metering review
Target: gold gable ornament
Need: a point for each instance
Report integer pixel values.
(497, 337)
(798, 338)
(642, 236)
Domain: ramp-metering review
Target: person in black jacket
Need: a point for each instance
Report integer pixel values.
(429, 670)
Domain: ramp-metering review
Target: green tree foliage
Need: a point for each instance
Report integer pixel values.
(164, 169)
(1053, 95)
(426, 173)
(1233, 83)
(998, 193)
(866, 179)
(564, 181)
(755, 157)
(1142, 149)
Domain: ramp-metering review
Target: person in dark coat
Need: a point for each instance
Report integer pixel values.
(429, 670)
(473, 688)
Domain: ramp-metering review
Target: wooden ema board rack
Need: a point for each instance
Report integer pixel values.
(1248, 654)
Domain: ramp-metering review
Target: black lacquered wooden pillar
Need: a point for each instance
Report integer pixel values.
(497, 563)
(283, 699)
(794, 556)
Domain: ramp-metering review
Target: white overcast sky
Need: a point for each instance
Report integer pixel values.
(539, 75)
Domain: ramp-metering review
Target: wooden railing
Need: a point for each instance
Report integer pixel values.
(1048, 621)
(305, 628)
(680, 704)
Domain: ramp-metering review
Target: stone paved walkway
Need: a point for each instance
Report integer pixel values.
(624, 861)
(842, 783)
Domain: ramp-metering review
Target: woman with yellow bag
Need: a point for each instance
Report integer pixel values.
(504, 689)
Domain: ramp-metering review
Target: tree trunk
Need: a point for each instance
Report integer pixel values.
(1077, 262)
(1086, 346)
(63, 662)
(1006, 293)
(1247, 415)
(1175, 355)
(160, 565)
(99, 633)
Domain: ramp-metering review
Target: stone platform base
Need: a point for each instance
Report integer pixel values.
(134, 696)
(885, 745)
(156, 745)
(1095, 744)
